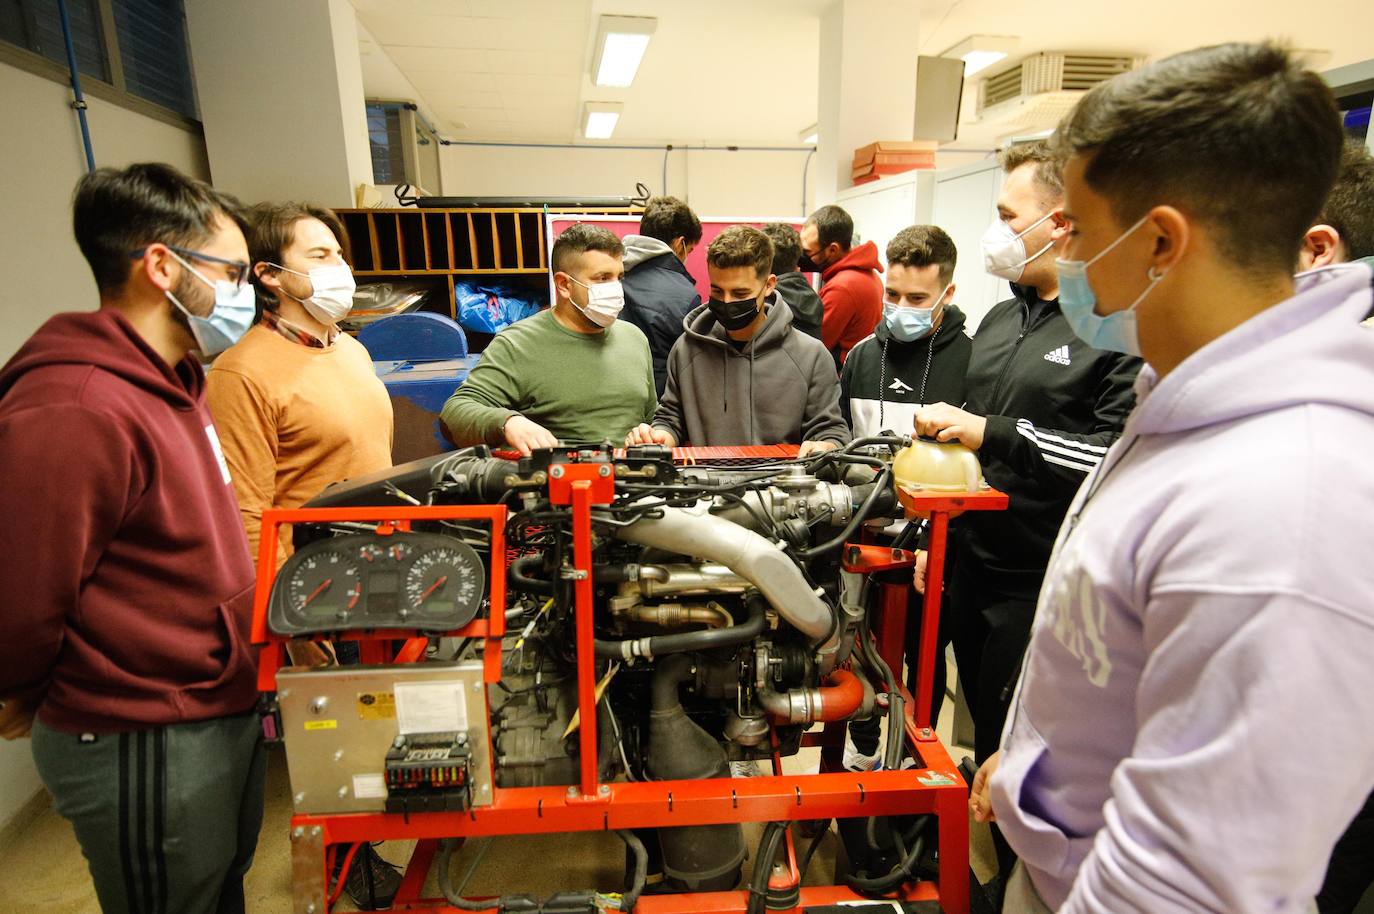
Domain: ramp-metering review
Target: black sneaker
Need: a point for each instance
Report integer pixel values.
(372, 882)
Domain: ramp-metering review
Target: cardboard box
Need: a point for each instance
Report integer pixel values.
(864, 154)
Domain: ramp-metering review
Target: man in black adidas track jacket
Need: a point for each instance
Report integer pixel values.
(1043, 407)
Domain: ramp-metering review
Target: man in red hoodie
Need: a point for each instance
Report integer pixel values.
(126, 586)
(851, 292)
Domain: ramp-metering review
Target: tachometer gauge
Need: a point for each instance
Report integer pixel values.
(446, 583)
(325, 586)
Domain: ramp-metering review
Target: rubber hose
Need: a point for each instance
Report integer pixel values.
(811, 851)
(903, 872)
(773, 833)
(443, 861)
(641, 876)
(661, 645)
(896, 729)
(519, 576)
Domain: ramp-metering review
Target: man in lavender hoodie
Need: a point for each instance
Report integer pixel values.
(1208, 614)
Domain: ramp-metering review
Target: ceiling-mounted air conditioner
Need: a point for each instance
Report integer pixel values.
(1039, 90)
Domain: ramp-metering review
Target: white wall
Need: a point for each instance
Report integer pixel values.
(718, 183)
(40, 164)
(281, 95)
(43, 269)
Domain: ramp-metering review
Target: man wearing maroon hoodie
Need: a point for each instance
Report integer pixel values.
(126, 586)
(851, 292)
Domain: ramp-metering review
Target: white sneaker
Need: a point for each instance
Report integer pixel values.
(748, 769)
(855, 761)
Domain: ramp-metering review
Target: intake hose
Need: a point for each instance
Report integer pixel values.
(697, 533)
(711, 638)
(839, 699)
(881, 500)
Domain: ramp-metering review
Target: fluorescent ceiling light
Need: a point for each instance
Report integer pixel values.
(620, 45)
(599, 119)
(810, 135)
(978, 52)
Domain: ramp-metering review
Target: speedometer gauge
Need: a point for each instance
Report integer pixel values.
(446, 582)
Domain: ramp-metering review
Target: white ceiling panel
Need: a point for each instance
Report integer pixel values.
(745, 71)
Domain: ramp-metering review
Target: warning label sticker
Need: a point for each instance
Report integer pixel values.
(376, 706)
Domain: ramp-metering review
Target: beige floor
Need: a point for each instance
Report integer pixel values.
(45, 871)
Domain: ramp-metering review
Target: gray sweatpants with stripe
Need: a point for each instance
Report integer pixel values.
(167, 818)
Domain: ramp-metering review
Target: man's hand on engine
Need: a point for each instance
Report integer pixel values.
(525, 436)
(644, 433)
(919, 578)
(949, 423)
(809, 448)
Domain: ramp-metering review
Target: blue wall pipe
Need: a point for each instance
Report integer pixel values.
(80, 101)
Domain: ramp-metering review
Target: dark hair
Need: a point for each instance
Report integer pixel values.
(1238, 135)
(118, 211)
(1049, 168)
(666, 218)
(786, 247)
(1350, 207)
(272, 229)
(742, 246)
(580, 238)
(833, 226)
(922, 246)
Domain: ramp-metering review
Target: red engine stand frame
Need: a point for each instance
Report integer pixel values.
(933, 787)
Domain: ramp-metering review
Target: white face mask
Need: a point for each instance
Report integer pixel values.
(604, 301)
(1004, 251)
(332, 289)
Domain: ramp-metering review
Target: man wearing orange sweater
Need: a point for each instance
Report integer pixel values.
(298, 407)
(851, 292)
(297, 403)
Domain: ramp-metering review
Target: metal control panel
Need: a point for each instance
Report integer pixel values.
(340, 723)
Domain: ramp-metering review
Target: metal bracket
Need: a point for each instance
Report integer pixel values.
(307, 870)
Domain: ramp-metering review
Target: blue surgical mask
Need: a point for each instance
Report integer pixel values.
(1115, 332)
(908, 324)
(235, 308)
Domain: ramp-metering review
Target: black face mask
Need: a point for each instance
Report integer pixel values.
(806, 265)
(734, 315)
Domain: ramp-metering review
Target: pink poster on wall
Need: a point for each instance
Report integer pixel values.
(629, 225)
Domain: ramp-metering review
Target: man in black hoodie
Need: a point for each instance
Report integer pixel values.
(793, 287)
(918, 354)
(659, 292)
(1043, 407)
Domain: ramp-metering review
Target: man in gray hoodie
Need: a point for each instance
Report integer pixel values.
(741, 374)
(1208, 611)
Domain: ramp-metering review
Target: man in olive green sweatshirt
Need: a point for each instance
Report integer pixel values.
(572, 374)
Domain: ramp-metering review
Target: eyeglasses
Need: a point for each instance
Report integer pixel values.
(237, 269)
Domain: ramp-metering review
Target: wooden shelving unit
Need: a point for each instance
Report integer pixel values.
(413, 243)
